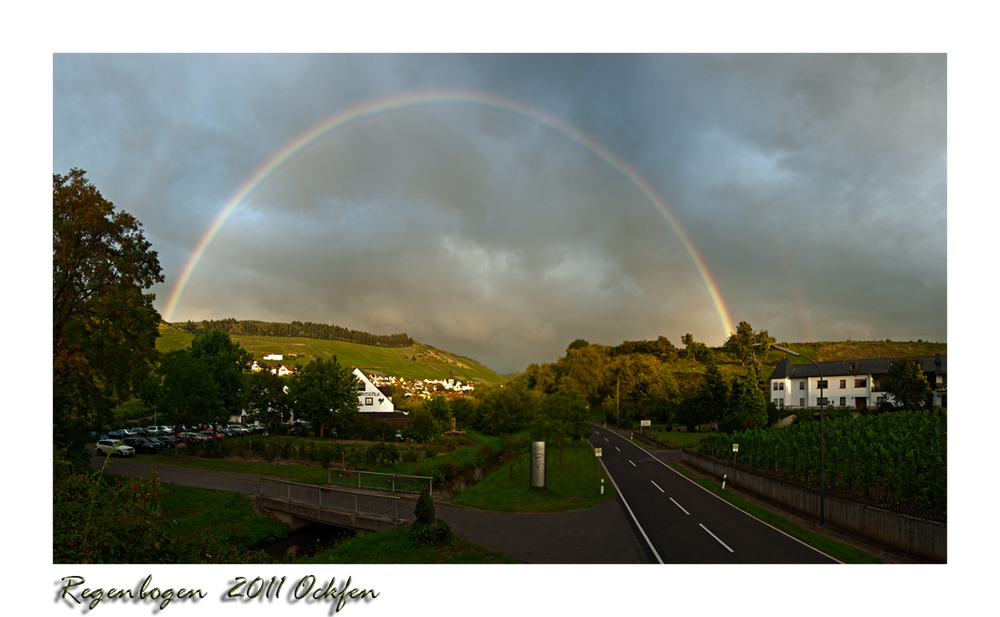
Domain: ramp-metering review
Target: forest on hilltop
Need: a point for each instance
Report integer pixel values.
(303, 329)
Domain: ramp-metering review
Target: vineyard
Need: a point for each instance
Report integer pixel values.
(898, 457)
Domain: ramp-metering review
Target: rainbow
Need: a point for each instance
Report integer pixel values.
(370, 109)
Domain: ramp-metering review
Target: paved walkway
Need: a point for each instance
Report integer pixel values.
(598, 535)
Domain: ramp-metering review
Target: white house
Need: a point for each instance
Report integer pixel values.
(274, 356)
(372, 399)
(855, 384)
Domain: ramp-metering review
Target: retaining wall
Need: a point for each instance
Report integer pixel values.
(921, 537)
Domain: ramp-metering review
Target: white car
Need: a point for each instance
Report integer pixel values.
(108, 446)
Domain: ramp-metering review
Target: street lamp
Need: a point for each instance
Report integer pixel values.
(822, 475)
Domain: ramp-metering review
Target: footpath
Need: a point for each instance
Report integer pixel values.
(598, 535)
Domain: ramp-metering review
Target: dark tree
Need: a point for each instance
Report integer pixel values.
(104, 326)
(226, 362)
(906, 382)
(324, 392)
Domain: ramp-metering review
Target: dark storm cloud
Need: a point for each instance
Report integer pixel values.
(813, 186)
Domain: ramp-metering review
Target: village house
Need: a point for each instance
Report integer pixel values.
(855, 384)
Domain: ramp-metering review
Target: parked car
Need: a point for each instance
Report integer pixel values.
(238, 429)
(167, 440)
(110, 446)
(153, 431)
(121, 433)
(141, 445)
(208, 434)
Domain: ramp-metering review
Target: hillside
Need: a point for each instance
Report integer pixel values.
(417, 361)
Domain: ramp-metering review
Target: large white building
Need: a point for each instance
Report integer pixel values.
(372, 399)
(856, 384)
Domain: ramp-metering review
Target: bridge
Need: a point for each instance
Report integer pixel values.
(301, 504)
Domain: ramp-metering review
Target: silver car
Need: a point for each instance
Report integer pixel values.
(108, 447)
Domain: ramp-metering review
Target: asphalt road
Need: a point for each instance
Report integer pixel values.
(678, 521)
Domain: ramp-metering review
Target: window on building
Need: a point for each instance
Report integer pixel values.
(843, 401)
(843, 383)
(781, 402)
(860, 383)
(802, 402)
(802, 385)
(369, 401)
(822, 384)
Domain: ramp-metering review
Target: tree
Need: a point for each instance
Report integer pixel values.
(906, 383)
(746, 343)
(462, 409)
(505, 410)
(264, 397)
(324, 392)
(439, 408)
(713, 392)
(561, 416)
(187, 394)
(752, 411)
(422, 426)
(104, 326)
(226, 363)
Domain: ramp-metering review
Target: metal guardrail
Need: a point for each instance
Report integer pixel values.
(385, 506)
(393, 483)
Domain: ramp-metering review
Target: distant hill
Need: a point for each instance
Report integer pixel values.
(414, 361)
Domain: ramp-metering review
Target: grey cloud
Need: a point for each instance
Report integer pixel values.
(814, 187)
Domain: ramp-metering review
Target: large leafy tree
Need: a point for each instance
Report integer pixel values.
(906, 383)
(183, 390)
(560, 417)
(104, 326)
(324, 392)
(746, 343)
(227, 363)
(264, 397)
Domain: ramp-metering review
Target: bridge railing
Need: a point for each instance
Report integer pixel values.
(327, 497)
(393, 483)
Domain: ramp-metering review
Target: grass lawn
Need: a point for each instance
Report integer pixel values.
(574, 483)
(198, 511)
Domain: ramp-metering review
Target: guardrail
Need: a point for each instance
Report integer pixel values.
(394, 483)
(333, 498)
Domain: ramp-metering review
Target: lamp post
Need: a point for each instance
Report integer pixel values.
(822, 474)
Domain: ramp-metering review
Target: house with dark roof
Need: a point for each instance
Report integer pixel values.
(856, 384)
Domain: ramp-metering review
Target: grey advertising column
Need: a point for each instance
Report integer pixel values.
(537, 464)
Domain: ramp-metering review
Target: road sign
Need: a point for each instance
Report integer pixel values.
(736, 447)
(644, 422)
(597, 452)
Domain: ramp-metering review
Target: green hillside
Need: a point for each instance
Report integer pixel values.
(418, 361)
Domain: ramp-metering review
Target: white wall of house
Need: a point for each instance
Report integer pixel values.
(370, 397)
(840, 391)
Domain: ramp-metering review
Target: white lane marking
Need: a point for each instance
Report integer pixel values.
(716, 537)
(617, 448)
(681, 507)
(632, 514)
(633, 464)
(657, 486)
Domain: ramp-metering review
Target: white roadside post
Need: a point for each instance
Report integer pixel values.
(597, 454)
(736, 449)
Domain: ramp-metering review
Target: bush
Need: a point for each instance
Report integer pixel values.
(424, 510)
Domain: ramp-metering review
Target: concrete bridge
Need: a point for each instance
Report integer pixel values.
(300, 504)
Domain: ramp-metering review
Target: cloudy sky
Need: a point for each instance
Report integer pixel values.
(502, 206)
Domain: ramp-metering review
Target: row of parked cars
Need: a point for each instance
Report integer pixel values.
(152, 439)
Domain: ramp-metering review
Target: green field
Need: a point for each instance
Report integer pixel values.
(416, 362)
